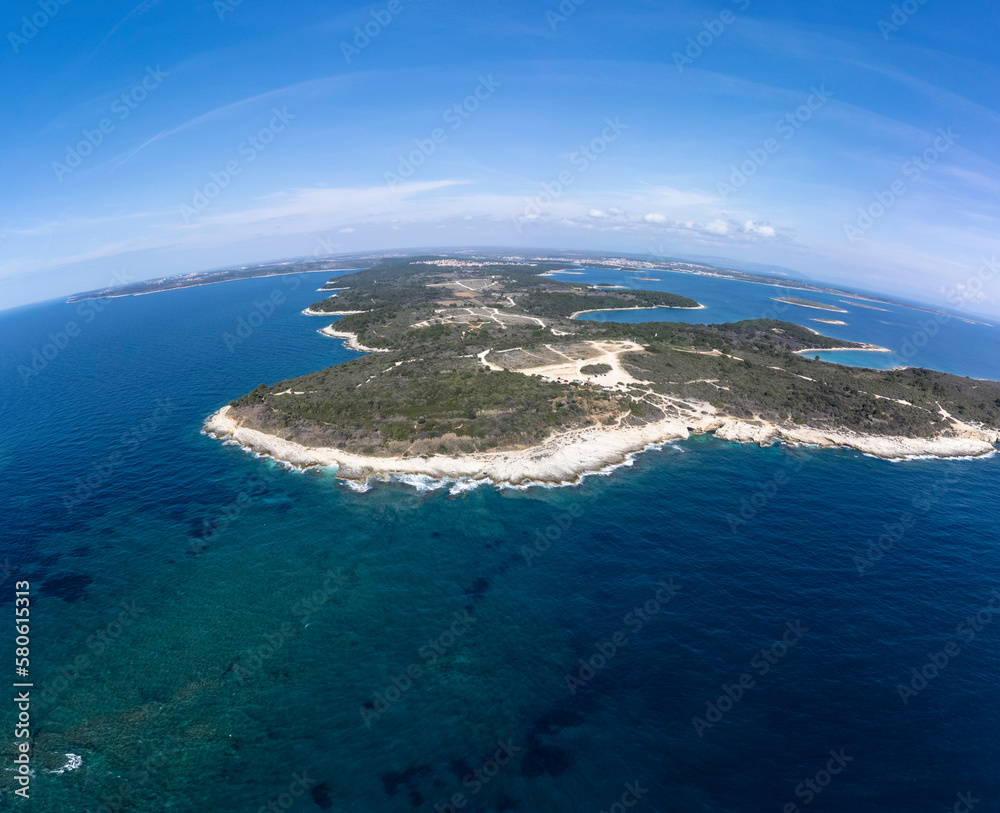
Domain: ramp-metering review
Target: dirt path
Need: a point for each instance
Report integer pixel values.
(609, 353)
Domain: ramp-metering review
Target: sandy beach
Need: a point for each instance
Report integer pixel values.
(311, 312)
(350, 340)
(819, 306)
(639, 308)
(866, 348)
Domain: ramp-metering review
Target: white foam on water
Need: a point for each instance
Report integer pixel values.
(73, 761)
(358, 486)
(467, 484)
(935, 457)
(420, 482)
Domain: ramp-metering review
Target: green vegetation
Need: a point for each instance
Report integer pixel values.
(431, 394)
(806, 392)
(562, 305)
(398, 404)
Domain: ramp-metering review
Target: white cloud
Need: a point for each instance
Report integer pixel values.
(717, 227)
(348, 230)
(654, 217)
(960, 293)
(758, 229)
(596, 213)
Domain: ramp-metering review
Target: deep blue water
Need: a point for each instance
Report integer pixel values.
(207, 625)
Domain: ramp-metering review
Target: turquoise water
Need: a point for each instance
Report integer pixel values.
(860, 358)
(915, 337)
(207, 626)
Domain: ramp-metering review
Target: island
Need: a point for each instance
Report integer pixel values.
(480, 372)
(808, 303)
(199, 278)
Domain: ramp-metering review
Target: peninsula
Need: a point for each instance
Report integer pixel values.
(482, 373)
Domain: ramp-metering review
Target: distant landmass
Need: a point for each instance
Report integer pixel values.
(459, 258)
(211, 277)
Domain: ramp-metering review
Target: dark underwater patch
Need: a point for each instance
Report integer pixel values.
(542, 757)
(478, 588)
(545, 760)
(321, 796)
(69, 586)
(392, 781)
(505, 803)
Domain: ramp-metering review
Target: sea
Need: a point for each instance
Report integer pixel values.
(712, 627)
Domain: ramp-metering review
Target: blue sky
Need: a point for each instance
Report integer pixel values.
(855, 142)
